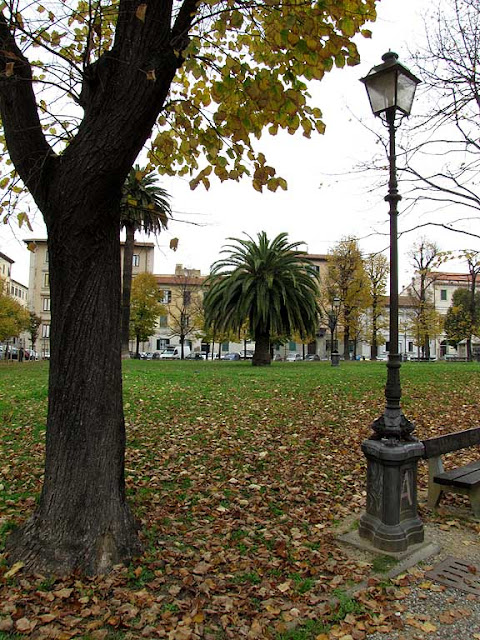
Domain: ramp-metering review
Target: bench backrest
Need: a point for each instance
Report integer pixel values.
(434, 447)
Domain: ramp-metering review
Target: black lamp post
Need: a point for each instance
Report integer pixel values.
(391, 521)
(391, 89)
(332, 325)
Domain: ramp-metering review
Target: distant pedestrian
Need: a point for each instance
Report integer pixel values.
(21, 353)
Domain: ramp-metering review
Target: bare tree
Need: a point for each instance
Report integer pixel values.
(185, 311)
(425, 256)
(376, 268)
(443, 164)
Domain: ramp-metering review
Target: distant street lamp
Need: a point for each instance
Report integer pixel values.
(332, 325)
(391, 520)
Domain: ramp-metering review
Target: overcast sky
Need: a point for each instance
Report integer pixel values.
(325, 201)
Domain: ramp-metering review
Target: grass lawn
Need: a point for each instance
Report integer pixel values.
(239, 476)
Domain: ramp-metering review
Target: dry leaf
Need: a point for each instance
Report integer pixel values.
(6, 624)
(151, 75)
(63, 593)
(15, 569)
(9, 69)
(141, 11)
(24, 625)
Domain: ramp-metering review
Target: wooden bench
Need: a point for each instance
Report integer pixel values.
(464, 479)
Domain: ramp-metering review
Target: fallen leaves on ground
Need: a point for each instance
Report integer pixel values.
(239, 477)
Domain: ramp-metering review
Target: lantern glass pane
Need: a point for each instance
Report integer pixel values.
(406, 92)
(381, 91)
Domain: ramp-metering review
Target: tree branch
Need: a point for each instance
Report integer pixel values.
(26, 142)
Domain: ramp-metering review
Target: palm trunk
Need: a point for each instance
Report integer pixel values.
(127, 286)
(261, 356)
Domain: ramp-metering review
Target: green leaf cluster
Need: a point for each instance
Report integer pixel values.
(144, 306)
(269, 284)
(13, 317)
(245, 70)
(460, 324)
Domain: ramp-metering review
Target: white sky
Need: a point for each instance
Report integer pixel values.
(323, 202)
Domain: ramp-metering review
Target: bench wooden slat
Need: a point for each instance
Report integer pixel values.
(454, 474)
(467, 480)
(434, 447)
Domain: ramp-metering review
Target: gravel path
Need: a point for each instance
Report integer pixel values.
(430, 610)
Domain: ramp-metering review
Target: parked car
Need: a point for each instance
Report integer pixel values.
(195, 355)
(312, 357)
(277, 357)
(293, 357)
(146, 355)
(248, 354)
(231, 356)
(177, 351)
(167, 354)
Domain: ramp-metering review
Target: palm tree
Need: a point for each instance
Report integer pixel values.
(144, 207)
(271, 285)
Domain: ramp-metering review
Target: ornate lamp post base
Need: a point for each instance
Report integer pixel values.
(391, 521)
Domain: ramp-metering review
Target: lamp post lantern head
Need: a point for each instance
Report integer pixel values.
(336, 303)
(390, 86)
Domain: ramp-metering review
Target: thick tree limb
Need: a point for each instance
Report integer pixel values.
(26, 142)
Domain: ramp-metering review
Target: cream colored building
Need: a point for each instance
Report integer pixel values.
(182, 298)
(5, 267)
(16, 290)
(39, 284)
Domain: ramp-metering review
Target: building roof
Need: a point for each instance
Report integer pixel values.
(44, 240)
(445, 276)
(6, 258)
(317, 256)
(178, 281)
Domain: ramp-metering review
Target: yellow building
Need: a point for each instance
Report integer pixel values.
(39, 284)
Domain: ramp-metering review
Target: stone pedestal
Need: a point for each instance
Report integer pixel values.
(391, 522)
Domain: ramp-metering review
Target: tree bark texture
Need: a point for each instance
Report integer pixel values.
(127, 286)
(82, 520)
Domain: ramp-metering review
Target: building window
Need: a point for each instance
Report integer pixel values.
(410, 347)
(46, 304)
(46, 279)
(136, 260)
(163, 321)
(225, 346)
(443, 294)
(162, 343)
(187, 298)
(45, 331)
(46, 256)
(292, 346)
(167, 297)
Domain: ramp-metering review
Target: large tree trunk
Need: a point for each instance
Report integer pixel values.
(82, 520)
(261, 356)
(127, 286)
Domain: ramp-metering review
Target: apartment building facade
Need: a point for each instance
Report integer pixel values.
(39, 283)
